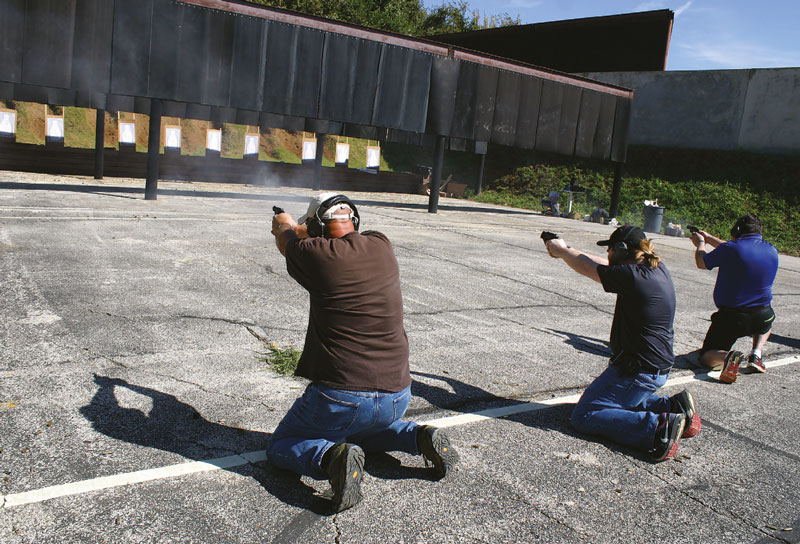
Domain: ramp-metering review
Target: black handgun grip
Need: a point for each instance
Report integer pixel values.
(692, 228)
(546, 235)
(277, 210)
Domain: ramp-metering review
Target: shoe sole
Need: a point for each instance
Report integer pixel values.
(693, 429)
(351, 490)
(730, 370)
(687, 406)
(447, 454)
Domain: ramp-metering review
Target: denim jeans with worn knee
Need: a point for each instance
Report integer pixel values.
(323, 417)
(623, 409)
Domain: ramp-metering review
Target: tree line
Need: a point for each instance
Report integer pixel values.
(408, 17)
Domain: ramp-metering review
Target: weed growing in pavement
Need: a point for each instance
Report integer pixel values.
(281, 360)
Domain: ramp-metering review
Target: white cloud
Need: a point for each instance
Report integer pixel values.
(741, 55)
(525, 4)
(682, 9)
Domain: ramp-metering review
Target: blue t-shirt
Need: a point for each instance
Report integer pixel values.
(644, 314)
(747, 268)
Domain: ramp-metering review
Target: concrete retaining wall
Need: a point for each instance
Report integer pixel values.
(753, 110)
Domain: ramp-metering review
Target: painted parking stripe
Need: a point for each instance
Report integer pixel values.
(183, 469)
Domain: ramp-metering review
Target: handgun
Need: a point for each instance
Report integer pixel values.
(277, 210)
(692, 228)
(546, 236)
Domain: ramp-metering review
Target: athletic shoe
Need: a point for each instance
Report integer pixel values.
(755, 364)
(665, 443)
(731, 367)
(346, 468)
(434, 445)
(683, 403)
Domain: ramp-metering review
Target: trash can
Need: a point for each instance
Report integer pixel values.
(652, 218)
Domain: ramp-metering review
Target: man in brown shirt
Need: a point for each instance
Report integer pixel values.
(355, 353)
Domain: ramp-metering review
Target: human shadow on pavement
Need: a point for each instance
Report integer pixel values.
(690, 361)
(784, 341)
(586, 344)
(174, 426)
(463, 395)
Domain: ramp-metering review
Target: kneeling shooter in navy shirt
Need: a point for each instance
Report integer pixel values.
(743, 295)
(622, 404)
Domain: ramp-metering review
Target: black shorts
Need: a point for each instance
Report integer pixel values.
(728, 325)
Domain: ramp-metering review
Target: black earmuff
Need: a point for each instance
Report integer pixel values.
(620, 250)
(315, 226)
(736, 230)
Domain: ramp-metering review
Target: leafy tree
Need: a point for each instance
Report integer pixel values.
(402, 16)
(453, 16)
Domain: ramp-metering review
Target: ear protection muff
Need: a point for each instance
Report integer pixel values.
(736, 230)
(315, 226)
(620, 250)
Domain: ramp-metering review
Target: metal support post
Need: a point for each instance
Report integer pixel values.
(480, 175)
(318, 161)
(438, 160)
(153, 148)
(99, 143)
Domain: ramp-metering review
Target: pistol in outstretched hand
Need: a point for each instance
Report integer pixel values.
(692, 229)
(547, 236)
(277, 210)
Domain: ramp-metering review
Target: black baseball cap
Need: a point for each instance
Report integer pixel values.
(629, 235)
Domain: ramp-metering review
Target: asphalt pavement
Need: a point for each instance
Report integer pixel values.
(136, 404)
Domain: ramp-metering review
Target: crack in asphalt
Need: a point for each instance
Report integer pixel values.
(487, 308)
(720, 512)
(338, 538)
(197, 385)
(752, 442)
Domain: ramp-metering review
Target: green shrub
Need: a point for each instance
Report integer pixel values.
(712, 205)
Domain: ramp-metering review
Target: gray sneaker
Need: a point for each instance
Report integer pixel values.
(434, 445)
(755, 364)
(346, 469)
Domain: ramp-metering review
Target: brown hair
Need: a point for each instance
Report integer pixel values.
(646, 253)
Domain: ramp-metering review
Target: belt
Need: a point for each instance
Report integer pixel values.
(654, 370)
(744, 309)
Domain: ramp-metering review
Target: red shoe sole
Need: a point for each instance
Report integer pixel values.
(693, 429)
(728, 375)
(672, 451)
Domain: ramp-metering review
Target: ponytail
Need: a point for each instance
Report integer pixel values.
(646, 253)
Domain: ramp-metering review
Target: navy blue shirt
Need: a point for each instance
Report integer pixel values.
(644, 314)
(747, 269)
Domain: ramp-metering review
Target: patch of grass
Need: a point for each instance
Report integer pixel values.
(282, 360)
(79, 127)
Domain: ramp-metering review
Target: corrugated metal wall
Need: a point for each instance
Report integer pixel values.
(212, 64)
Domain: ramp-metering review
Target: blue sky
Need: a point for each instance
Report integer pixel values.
(706, 35)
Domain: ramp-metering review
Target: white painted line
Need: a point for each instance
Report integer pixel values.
(183, 469)
(105, 482)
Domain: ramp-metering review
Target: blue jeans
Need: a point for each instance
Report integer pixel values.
(323, 417)
(625, 410)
